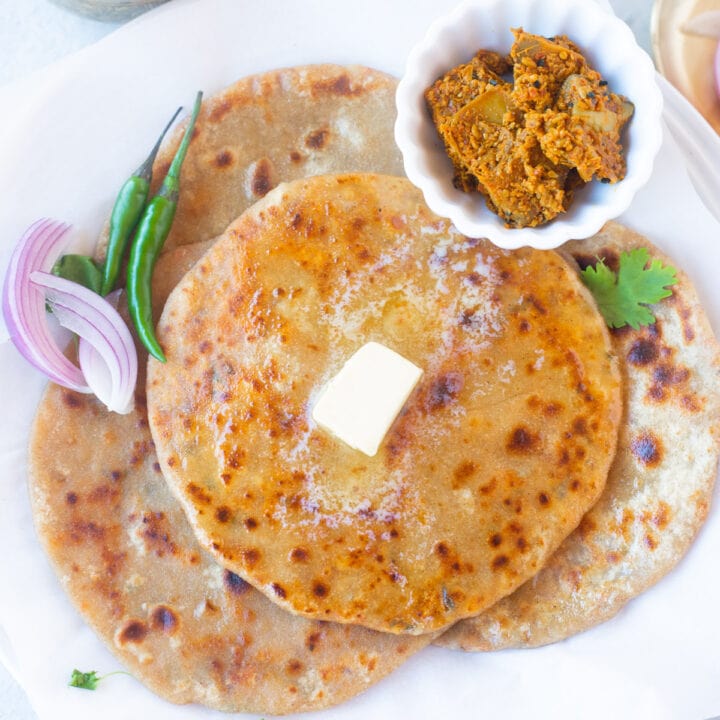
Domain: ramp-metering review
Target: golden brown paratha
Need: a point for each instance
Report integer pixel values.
(130, 563)
(275, 127)
(501, 449)
(660, 484)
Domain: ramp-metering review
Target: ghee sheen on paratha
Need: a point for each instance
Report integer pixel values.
(274, 127)
(660, 485)
(129, 561)
(501, 449)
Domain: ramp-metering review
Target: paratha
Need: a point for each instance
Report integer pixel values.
(501, 449)
(128, 560)
(660, 485)
(274, 127)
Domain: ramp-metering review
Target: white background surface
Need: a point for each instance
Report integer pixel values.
(35, 33)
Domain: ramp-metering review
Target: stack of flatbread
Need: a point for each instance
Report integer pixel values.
(543, 472)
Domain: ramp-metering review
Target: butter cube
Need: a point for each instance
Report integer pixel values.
(361, 402)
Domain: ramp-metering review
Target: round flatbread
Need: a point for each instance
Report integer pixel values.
(275, 127)
(660, 485)
(128, 559)
(500, 450)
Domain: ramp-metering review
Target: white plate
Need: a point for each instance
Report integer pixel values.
(65, 150)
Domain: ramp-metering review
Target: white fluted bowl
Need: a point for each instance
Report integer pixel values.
(610, 48)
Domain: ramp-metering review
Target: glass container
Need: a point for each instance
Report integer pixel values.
(109, 10)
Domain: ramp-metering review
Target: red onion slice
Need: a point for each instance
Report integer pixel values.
(100, 325)
(108, 359)
(92, 364)
(24, 305)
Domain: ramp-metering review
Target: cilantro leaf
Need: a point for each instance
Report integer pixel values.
(84, 680)
(90, 680)
(623, 297)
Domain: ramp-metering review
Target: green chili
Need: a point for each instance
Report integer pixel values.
(149, 239)
(126, 212)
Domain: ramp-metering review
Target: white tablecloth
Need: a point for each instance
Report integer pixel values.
(36, 33)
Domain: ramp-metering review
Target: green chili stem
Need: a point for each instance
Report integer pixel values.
(145, 170)
(171, 184)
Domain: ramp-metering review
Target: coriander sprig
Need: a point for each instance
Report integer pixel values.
(623, 297)
(90, 680)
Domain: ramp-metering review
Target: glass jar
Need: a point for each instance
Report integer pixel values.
(109, 10)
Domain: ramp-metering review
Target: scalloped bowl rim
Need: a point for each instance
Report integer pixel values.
(423, 152)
